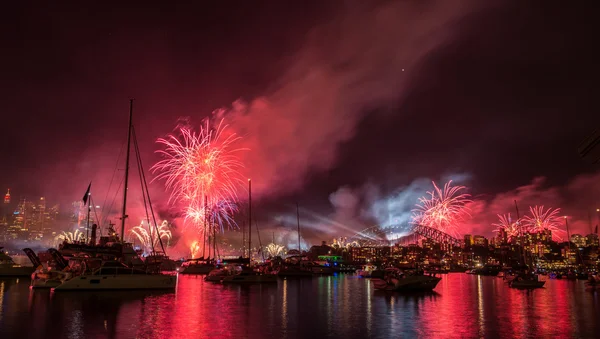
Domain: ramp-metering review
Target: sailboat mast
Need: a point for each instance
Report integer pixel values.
(124, 214)
(522, 250)
(298, 220)
(250, 219)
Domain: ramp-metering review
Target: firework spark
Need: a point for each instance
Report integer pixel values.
(442, 209)
(201, 172)
(70, 237)
(195, 249)
(541, 220)
(147, 236)
(274, 250)
(506, 224)
(343, 242)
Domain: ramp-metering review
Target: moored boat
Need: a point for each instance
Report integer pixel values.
(526, 281)
(196, 266)
(366, 271)
(9, 268)
(396, 280)
(116, 276)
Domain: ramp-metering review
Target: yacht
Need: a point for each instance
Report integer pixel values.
(113, 275)
(9, 268)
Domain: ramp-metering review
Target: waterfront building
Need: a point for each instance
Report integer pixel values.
(592, 240)
(468, 240)
(479, 240)
(578, 240)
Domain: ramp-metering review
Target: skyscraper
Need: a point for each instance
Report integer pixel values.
(7, 197)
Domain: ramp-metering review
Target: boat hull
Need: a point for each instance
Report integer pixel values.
(410, 283)
(250, 279)
(119, 282)
(19, 271)
(527, 284)
(196, 269)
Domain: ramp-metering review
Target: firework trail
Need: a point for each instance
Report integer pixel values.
(147, 236)
(442, 209)
(201, 172)
(70, 237)
(274, 250)
(540, 220)
(506, 224)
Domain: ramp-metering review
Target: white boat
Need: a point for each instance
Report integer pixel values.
(248, 276)
(9, 268)
(366, 271)
(116, 276)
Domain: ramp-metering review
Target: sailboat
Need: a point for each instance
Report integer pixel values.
(90, 273)
(248, 275)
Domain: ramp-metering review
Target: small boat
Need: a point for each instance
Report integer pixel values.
(9, 268)
(218, 274)
(366, 271)
(196, 266)
(526, 281)
(248, 276)
(44, 278)
(396, 280)
(159, 262)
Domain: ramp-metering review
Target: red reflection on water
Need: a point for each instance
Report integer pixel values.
(343, 306)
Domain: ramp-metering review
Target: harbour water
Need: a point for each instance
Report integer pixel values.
(340, 306)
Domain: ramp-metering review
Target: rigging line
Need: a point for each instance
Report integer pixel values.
(111, 179)
(137, 158)
(114, 198)
(148, 193)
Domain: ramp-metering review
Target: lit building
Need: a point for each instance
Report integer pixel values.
(468, 240)
(578, 240)
(592, 240)
(7, 197)
(479, 240)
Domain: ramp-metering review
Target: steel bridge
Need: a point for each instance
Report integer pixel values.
(435, 235)
(375, 236)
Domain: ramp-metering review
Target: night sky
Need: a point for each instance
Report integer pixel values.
(366, 100)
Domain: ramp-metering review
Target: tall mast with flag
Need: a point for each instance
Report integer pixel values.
(86, 201)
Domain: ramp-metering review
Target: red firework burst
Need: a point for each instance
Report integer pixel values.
(540, 220)
(201, 172)
(442, 209)
(507, 225)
